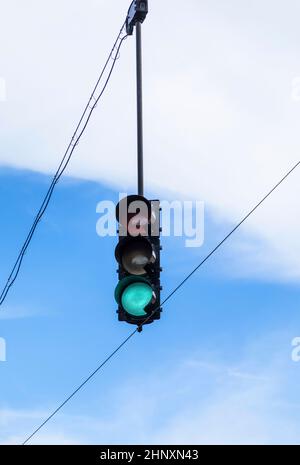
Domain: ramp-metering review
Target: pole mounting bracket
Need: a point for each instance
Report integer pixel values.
(137, 13)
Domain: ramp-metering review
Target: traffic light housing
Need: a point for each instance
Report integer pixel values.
(138, 256)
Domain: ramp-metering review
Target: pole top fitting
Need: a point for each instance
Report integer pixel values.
(136, 13)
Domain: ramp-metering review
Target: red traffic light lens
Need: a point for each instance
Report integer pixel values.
(134, 214)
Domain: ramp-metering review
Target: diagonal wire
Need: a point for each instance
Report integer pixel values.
(214, 250)
(80, 387)
(138, 329)
(83, 122)
(232, 231)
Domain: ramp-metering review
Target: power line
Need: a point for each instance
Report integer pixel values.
(80, 129)
(166, 300)
(232, 231)
(80, 387)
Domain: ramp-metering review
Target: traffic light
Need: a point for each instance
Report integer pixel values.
(138, 257)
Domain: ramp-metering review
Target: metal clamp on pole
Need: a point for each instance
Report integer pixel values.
(136, 13)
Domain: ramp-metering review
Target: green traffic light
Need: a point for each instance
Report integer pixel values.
(136, 297)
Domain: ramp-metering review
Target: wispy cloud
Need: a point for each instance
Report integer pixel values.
(16, 313)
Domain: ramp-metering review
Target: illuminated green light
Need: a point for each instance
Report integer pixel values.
(136, 297)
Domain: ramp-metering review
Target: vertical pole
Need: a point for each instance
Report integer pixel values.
(139, 76)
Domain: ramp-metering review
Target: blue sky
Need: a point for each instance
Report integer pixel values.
(218, 333)
(221, 122)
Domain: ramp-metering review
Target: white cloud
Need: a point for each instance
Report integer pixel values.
(2, 89)
(220, 119)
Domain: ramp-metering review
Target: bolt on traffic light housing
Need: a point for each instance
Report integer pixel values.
(138, 257)
(137, 12)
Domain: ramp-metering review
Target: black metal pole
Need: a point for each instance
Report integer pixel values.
(139, 76)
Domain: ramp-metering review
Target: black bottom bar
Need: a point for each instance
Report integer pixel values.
(134, 454)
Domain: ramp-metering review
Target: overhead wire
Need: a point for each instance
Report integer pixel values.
(79, 387)
(181, 284)
(80, 129)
